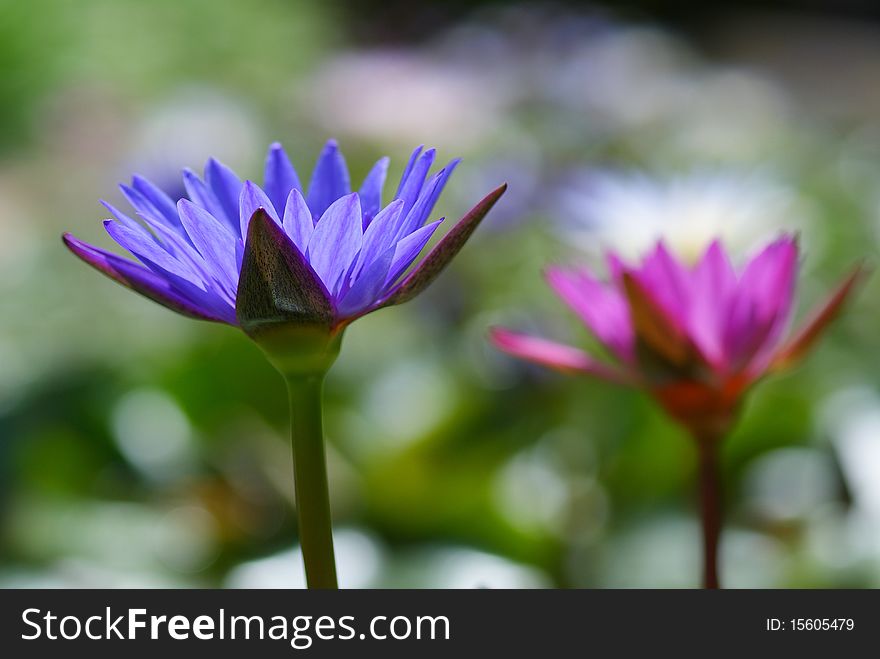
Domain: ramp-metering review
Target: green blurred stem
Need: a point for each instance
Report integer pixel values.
(710, 506)
(310, 478)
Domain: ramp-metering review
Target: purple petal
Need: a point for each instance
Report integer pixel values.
(329, 180)
(427, 199)
(160, 201)
(383, 271)
(371, 190)
(130, 222)
(368, 286)
(174, 240)
(214, 241)
(336, 241)
(280, 177)
(171, 238)
(153, 255)
(181, 248)
(380, 235)
(414, 156)
(554, 355)
(226, 187)
(439, 257)
(406, 251)
(411, 186)
(143, 281)
(203, 197)
(297, 221)
(603, 308)
(145, 207)
(252, 198)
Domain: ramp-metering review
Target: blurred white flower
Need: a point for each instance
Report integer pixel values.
(630, 211)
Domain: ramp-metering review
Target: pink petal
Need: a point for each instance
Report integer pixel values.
(616, 268)
(713, 284)
(554, 355)
(762, 303)
(601, 307)
(668, 283)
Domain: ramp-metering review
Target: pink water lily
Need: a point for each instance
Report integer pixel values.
(695, 337)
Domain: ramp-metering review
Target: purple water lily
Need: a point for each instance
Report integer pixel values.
(292, 268)
(347, 250)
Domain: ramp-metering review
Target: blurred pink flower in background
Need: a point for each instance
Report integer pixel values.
(695, 337)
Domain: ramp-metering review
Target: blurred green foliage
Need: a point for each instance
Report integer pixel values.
(141, 448)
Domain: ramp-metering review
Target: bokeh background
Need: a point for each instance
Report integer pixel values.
(139, 448)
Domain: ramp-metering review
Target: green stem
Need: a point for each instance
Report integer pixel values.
(310, 478)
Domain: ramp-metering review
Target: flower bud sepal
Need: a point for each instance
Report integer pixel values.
(298, 351)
